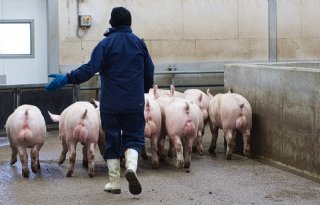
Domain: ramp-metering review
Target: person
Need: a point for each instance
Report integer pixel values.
(126, 73)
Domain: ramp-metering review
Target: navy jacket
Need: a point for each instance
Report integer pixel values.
(126, 71)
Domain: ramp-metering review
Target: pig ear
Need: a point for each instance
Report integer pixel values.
(155, 91)
(200, 97)
(97, 103)
(54, 118)
(209, 94)
(172, 90)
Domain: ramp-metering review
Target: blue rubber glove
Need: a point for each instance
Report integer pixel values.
(57, 83)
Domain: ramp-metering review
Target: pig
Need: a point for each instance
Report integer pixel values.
(201, 99)
(78, 123)
(200, 130)
(101, 140)
(194, 96)
(152, 114)
(26, 128)
(230, 112)
(181, 125)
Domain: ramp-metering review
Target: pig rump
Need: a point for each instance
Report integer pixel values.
(26, 128)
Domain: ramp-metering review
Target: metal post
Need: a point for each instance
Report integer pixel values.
(76, 89)
(272, 25)
(172, 67)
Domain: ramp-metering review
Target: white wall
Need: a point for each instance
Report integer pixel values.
(27, 70)
(174, 30)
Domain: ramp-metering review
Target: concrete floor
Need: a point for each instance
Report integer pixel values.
(212, 180)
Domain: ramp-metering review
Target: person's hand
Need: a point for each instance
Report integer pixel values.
(57, 83)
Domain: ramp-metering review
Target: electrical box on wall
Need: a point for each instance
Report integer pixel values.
(84, 21)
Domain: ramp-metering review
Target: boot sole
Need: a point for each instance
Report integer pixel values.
(134, 184)
(114, 191)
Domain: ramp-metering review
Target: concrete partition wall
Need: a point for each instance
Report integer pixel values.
(286, 112)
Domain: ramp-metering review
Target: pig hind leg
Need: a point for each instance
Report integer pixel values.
(24, 161)
(63, 152)
(144, 153)
(179, 150)
(35, 165)
(214, 133)
(161, 149)
(84, 156)
(13, 155)
(72, 158)
(187, 154)
(246, 142)
(90, 156)
(199, 143)
(230, 136)
(154, 150)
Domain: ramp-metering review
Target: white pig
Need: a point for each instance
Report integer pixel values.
(78, 123)
(230, 112)
(26, 128)
(181, 124)
(152, 130)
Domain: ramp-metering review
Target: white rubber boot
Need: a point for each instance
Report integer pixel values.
(131, 156)
(114, 177)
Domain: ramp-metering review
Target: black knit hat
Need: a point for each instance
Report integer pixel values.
(120, 17)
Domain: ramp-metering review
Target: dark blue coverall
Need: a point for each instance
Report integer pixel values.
(126, 73)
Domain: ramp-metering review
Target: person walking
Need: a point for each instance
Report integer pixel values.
(126, 73)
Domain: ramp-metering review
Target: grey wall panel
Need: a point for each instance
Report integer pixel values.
(55, 102)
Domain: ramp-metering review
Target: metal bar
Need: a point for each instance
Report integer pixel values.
(272, 25)
(89, 88)
(191, 86)
(188, 72)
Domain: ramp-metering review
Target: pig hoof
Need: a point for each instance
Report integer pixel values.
(134, 184)
(155, 165)
(69, 173)
(188, 170)
(84, 163)
(91, 172)
(25, 173)
(211, 150)
(246, 153)
(13, 162)
(61, 160)
(180, 163)
(229, 157)
(187, 165)
(200, 153)
(34, 168)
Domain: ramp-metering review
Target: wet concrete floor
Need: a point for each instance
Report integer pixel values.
(212, 180)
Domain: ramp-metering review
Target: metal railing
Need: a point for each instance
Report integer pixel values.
(171, 73)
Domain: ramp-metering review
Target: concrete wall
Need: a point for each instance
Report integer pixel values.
(286, 120)
(174, 30)
(298, 29)
(198, 30)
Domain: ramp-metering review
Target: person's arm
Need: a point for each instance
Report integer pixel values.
(81, 74)
(86, 71)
